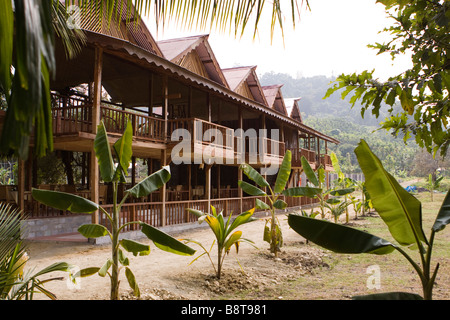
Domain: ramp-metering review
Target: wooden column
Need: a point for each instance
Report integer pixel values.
(208, 185)
(189, 180)
(209, 106)
(163, 191)
(218, 181)
(133, 170)
(21, 184)
(96, 100)
(241, 126)
(165, 106)
(150, 95)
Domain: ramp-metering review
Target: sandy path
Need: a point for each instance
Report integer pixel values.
(159, 270)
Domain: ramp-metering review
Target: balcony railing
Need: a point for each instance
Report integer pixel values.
(144, 127)
(297, 154)
(325, 161)
(71, 115)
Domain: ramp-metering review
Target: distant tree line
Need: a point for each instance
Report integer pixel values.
(336, 118)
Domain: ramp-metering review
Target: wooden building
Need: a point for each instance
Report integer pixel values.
(123, 73)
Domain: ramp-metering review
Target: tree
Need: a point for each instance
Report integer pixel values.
(421, 28)
(27, 63)
(27, 30)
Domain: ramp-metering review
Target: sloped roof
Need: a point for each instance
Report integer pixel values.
(274, 98)
(237, 76)
(126, 27)
(175, 50)
(293, 108)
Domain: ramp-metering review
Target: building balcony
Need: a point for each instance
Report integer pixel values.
(297, 154)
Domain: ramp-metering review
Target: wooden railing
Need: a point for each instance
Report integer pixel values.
(325, 160)
(74, 114)
(71, 115)
(203, 132)
(144, 127)
(206, 138)
(176, 211)
(297, 154)
(308, 154)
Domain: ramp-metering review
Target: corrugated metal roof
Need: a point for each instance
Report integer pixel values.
(129, 27)
(176, 49)
(238, 75)
(139, 55)
(293, 108)
(274, 98)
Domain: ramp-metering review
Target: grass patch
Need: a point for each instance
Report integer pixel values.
(348, 274)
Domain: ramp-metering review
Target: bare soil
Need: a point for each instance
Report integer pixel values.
(301, 271)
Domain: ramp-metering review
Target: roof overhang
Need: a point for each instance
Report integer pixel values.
(145, 59)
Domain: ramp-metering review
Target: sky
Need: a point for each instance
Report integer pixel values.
(330, 39)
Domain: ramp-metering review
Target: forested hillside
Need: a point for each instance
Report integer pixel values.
(335, 117)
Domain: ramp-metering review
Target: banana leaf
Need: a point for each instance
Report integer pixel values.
(280, 204)
(302, 192)
(443, 217)
(152, 183)
(93, 231)
(338, 238)
(165, 242)
(123, 149)
(336, 166)
(64, 201)
(103, 153)
(261, 205)
(254, 175)
(309, 172)
(135, 247)
(132, 282)
(234, 238)
(400, 210)
(251, 189)
(243, 218)
(389, 296)
(283, 173)
(342, 192)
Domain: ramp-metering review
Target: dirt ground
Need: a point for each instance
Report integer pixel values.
(299, 272)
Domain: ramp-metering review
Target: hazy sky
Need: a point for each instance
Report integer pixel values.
(330, 39)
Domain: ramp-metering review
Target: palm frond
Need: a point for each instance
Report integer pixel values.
(221, 15)
(12, 251)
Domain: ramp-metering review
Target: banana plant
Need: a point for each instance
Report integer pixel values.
(223, 232)
(16, 281)
(400, 211)
(343, 181)
(433, 184)
(273, 234)
(337, 207)
(319, 189)
(115, 173)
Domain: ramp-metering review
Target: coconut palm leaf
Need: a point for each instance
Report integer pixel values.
(32, 24)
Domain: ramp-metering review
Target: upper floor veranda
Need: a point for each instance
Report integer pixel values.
(114, 81)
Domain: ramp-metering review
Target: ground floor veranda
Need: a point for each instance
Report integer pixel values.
(191, 186)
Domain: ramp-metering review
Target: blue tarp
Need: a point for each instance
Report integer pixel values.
(411, 188)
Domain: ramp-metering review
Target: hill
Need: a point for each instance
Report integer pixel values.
(337, 118)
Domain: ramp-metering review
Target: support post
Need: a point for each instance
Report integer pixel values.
(96, 100)
(21, 184)
(163, 191)
(208, 185)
